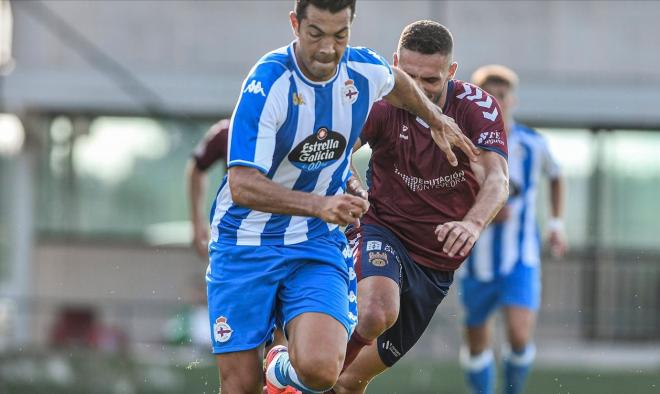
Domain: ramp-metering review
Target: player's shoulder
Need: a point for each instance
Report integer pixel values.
(272, 66)
(528, 133)
(383, 108)
(220, 127)
(476, 103)
(470, 95)
(365, 55)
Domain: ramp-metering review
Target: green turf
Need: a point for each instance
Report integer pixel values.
(84, 372)
(432, 377)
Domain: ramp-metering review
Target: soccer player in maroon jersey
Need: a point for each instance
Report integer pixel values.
(425, 214)
(211, 149)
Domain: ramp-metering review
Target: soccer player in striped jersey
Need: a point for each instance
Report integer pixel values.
(503, 269)
(277, 255)
(425, 214)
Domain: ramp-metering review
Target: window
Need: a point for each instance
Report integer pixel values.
(117, 177)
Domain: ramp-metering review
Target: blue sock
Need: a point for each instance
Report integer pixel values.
(281, 372)
(479, 371)
(516, 368)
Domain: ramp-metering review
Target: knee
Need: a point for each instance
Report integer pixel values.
(318, 371)
(519, 338)
(240, 381)
(376, 319)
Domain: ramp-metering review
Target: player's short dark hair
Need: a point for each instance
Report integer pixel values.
(334, 6)
(495, 74)
(427, 37)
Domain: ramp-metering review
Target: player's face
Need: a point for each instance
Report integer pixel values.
(504, 96)
(430, 72)
(322, 40)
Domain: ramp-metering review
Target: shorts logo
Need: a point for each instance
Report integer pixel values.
(374, 245)
(379, 259)
(351, 273)
(388, 346)
(221, 330)
(346, 252)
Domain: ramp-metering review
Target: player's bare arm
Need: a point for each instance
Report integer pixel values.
(196, 192)
(407, 95)
(556, 237)
(250, 188)
(492, 173)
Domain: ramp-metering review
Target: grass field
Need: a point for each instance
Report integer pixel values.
(82, 372)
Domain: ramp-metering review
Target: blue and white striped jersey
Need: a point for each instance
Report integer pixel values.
(299, 133)
(515, 241)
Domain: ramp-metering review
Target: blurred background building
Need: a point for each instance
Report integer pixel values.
(101, 103)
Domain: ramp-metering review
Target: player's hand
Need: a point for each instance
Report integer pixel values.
(354, 187)
(343, 209)
(200, 241)
(447, 134)
(457, 237)
(557, 243)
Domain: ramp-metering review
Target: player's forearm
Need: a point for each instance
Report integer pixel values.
(196, 191)
(557, 197)
(491, 198)
(407, 95)
(251, 189)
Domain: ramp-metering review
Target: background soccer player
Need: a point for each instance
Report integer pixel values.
(425, 214)
(210, 150)
(503, 268)
(276, 252)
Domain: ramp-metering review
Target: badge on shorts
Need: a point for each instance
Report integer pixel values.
(378, 259)
(221, 330)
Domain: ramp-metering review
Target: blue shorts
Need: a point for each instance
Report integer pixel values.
(521, 287)
(378, 252)
(251, 289)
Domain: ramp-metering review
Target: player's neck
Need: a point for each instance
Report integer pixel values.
(443, 98)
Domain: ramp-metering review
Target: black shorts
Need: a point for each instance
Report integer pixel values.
(378, 252)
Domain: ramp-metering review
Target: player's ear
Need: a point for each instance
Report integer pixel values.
(295, 23)
(452, 70)
(395, 59)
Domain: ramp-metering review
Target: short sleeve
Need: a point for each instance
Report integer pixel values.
(485, 126)
(213, 147)
(551, 167)
(260, 111)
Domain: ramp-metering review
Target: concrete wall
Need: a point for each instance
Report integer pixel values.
(585, 62)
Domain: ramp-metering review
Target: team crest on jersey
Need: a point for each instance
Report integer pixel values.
(221, 330)
(349, 92)
(379, 259)
(319, 150)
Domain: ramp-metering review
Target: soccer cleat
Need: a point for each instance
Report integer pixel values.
(270, 387)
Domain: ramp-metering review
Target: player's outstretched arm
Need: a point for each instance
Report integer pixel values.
(251, 189)
(446, 133)
(492, 173)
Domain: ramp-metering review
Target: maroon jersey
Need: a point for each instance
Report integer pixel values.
(213, 146)
(412, 186)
